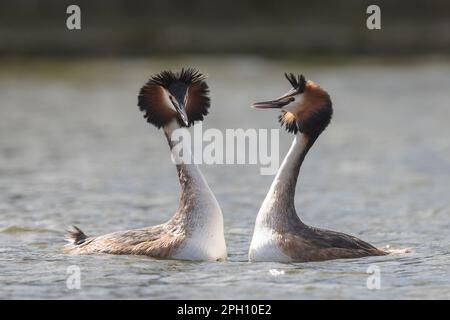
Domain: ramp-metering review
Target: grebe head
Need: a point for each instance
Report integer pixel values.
(168, 95)
(306, 107)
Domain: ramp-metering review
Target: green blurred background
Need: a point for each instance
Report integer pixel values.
(262, 27)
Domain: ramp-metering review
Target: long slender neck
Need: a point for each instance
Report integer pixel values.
(197, 200)
(278, 206)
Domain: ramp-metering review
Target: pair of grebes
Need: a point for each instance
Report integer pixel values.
(174, 100)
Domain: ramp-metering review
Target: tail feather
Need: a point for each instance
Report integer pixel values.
(75, 236)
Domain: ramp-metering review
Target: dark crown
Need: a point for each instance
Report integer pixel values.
(187, 76)
(298, 83)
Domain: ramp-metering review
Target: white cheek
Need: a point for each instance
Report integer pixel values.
(167, 101)
(298, 99)
(186, 97)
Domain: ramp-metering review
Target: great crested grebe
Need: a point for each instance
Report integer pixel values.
(279, 233)
(171, 101)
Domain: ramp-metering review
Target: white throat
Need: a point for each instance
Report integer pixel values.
(279, 201)
(199, 211)
(277, 213)
(194, 186)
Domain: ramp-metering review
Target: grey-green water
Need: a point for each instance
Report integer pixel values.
(74, 149)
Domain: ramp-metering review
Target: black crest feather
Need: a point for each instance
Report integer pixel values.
(297, 82)
(187, 76)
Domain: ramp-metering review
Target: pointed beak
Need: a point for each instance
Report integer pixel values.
(274, 104)
(267, 105)
(181, 109)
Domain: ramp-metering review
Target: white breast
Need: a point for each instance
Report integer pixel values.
(264, 247)
(206, 242)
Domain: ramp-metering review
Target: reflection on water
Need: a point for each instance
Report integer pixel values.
(74, 149)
